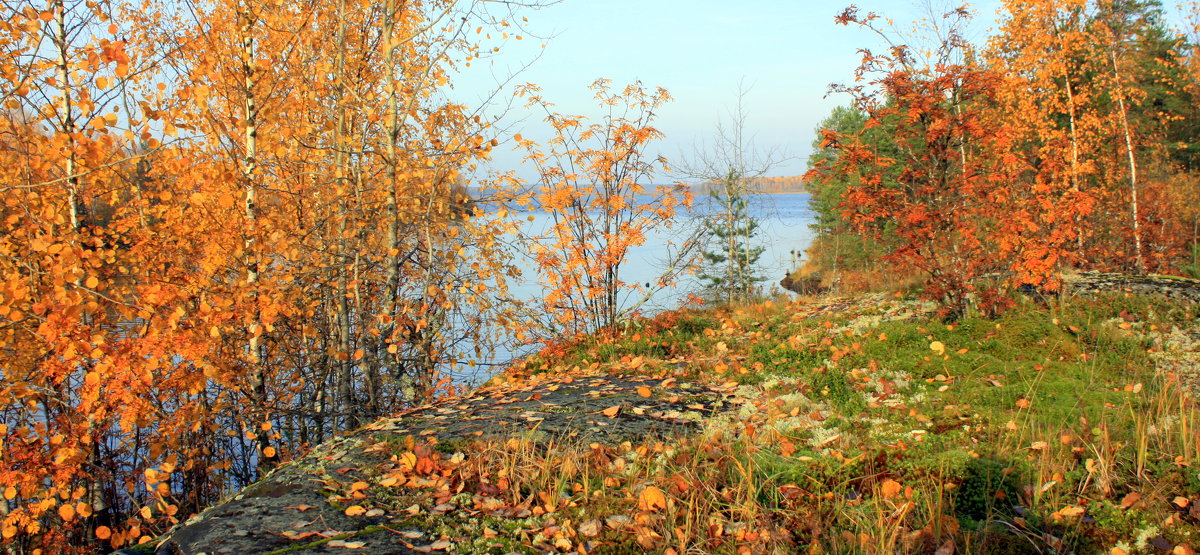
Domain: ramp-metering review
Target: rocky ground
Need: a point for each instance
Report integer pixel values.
(298, 508)
(401, 485)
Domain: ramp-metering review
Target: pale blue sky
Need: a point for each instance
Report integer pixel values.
(788, 51)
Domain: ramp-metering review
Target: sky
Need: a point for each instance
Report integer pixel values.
(787, 52)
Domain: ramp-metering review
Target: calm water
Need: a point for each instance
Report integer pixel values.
(783, 231)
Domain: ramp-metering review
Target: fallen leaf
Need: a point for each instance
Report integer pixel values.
(946, 548)
(300, 508)
(617, 522)
(890, 488)
(938, 347)
(1181, 502)
(1129, 500)
(408, 461)
(294, 535)
(355, 510)
(611, 412)
(652, 499)
(591, 528)
(643, 391)
(1071, 511)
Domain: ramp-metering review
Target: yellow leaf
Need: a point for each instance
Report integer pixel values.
(1071, 511)
(408, 461)
(92, 282)
(66, 512)
(359, 486)
(652, 499)
(938, 347)
(611, 412)
(145, 512)
(355, 510)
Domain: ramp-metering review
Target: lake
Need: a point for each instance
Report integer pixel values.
(783, 232)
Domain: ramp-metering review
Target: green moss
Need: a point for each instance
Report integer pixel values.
(987, 490)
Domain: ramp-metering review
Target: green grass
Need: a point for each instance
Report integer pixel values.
(878, 428)
(999, 424)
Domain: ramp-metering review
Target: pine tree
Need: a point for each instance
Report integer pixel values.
(731, 258)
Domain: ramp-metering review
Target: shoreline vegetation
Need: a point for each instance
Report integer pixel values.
(238, 257)
(820, 425)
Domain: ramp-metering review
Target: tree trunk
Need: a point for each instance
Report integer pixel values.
(1133, 181)
(258, 384)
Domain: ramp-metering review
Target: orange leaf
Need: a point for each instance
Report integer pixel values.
(269, 452)
(103, 532)
(355, 510)
(1071, 511)
(611, 412)
(890, 488)
(652, 499)
(66, 512)
(643, 391)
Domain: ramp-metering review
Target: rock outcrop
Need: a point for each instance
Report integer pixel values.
(295, 508)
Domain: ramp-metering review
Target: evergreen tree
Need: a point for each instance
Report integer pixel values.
(731, 256)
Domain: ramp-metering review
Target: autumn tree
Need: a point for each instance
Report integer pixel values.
(839, 253)
(948, 179)
(196, 281)
(595, 185)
